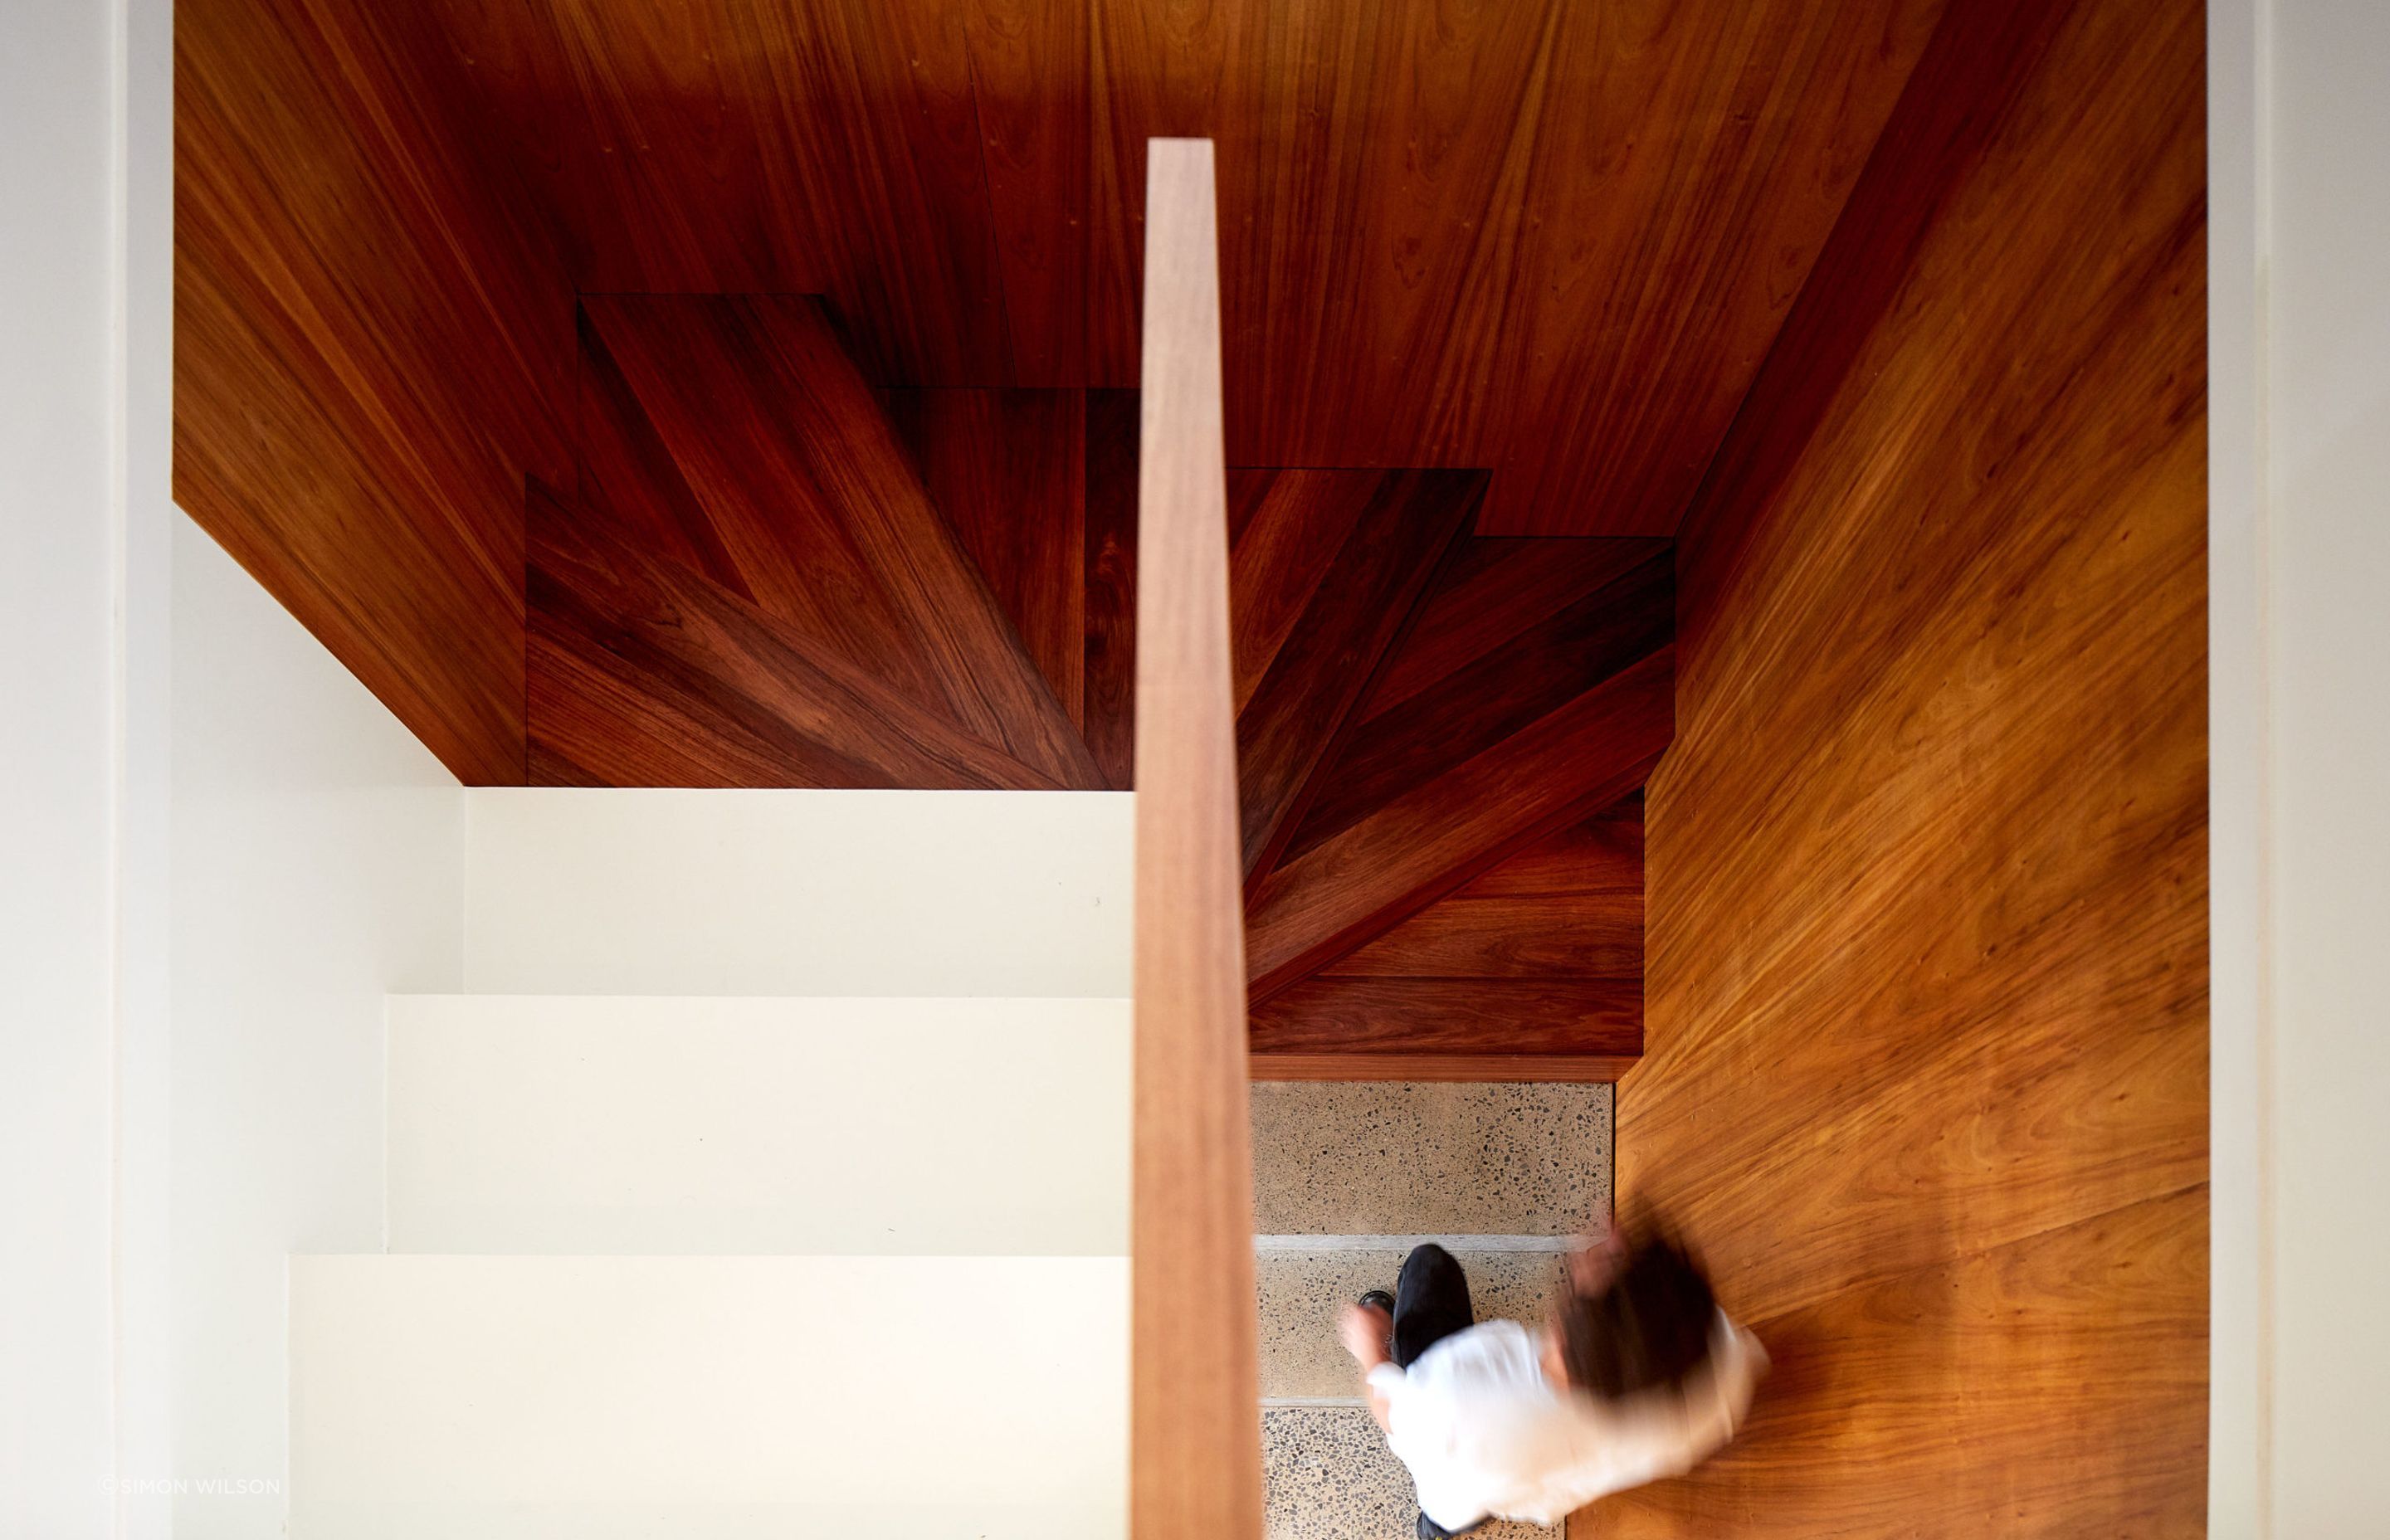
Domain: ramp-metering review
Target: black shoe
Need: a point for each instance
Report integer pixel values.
(1380, 1297)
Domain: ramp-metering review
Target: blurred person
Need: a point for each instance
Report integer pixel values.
(1636, 1375)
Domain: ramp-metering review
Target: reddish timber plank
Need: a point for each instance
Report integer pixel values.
(1405, 856)
(1563, 936)
(1560, 1069)
(1108, 675)
(1929, 924)
(1425, 1017)
(1551, 240)
(2098, 1323)
(1034, 153)
(1496, 695)
(373, 347)
(1604, 855)
(644, 673)
(796, 464)
(1008, 470)
(1497, 587)
(1286, 529)
(1331, 643)
(630, 482)
(1941, 128)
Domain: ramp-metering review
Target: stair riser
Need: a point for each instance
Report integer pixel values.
(515, 1397)
(548, 1125)
(660, 891)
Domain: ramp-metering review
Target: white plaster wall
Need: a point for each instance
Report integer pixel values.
(2237, 1320)
(144, 1293)
(60, 764)
(2299, 362)
(2325, 271)
(318, 863)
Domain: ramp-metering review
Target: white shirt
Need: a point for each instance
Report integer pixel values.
(1486, 1434)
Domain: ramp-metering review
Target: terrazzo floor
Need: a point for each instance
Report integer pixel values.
(1302, 1293)
(1388, 1162)
(1332, 1475)
(1398, 1158)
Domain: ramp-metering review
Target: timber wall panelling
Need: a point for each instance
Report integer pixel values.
(1926, 1068)
(372, 350)
(1548, 240)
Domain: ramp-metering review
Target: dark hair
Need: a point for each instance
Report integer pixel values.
(1649, 1325)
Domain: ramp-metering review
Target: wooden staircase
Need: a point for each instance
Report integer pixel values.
(771, 573)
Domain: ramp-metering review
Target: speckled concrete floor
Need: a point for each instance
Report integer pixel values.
(1302, 1293)
(1332, 1478)
(1383, 1160)
(1394, 1158)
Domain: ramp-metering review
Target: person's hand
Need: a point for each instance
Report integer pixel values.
(1364, 1329)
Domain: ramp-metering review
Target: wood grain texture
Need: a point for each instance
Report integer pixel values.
(1553, 241)
(1438, 1018)
(733, 435)
(1545, 662)
(758, 571)
(1926, 1068)
(823, 146)
(1533, 971)
(1557, 1068)
(2081, 1411)
(372, 349)
(1194, 1428)
(1576, 936)
(1286, 529)
(1946, 118)
(1034, 157)
(1495, 589)
(1008, 470)
(1323, 578)
(642, 673)
(1420, 846)
(1601, 857)
(1689, 163)
(1108, 673)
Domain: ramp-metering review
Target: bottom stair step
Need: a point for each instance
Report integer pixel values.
(506, 1398)
(1408, 1158)
(1331, 1477)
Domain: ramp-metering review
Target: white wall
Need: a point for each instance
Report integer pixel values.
(2239, 1322)
(2300, 361)
(60, 764)
(144, 1090)
(2326, 275)
(318, 863)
